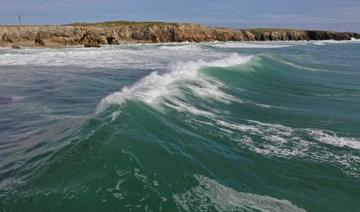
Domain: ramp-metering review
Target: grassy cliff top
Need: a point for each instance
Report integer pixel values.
(117, 23)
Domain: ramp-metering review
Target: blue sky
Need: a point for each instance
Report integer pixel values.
(341, 15)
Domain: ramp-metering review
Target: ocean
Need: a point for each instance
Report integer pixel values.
(234, 126)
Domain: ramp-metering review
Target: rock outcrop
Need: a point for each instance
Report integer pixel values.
(93, 35)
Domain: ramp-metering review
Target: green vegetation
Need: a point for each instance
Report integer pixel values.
(116, 23)
(261, 30)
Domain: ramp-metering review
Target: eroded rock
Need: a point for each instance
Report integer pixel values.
(154, 33)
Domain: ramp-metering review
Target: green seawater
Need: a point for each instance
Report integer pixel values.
(272, 126)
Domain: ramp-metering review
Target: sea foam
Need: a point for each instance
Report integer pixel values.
(209, 194)
(331, 138)
(286, 142)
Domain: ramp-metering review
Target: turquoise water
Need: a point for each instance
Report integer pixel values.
(181, 127)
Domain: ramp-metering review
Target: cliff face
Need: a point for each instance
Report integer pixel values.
(153, 33)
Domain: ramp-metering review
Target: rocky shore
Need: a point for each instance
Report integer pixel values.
(94, 35)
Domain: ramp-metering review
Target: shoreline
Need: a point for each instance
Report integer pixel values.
(176, 43)
(116, 33)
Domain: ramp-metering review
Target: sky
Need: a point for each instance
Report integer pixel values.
(339, 15)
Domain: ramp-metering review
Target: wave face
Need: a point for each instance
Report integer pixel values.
(256, 126)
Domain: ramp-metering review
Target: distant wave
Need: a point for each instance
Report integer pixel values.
(257, 45)
(122, 56)
(183, 47)
(324, 42)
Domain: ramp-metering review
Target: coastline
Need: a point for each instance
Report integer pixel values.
(115, 33)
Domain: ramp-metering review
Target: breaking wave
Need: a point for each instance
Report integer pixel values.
(155, 86)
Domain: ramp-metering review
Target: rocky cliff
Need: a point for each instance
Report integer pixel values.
(93, 35)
